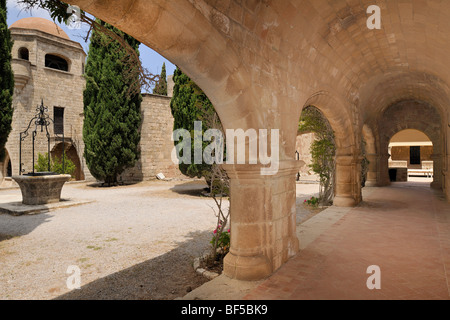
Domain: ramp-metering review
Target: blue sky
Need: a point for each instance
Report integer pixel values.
(151, 60)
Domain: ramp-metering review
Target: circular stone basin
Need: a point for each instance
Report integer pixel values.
(41, 188)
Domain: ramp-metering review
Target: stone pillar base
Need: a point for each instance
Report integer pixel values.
(345, 201)
(371, 183)
(437, 185)
(252, 268)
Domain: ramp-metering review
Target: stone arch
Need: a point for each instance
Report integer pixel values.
(6, 167)
(23, 53)
(337, 114)
(72, 154)
(57, 62)
(348, 162)
(418, 115)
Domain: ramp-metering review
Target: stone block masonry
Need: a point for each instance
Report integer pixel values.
(156, 142)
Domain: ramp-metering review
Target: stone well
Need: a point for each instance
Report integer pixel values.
(41, 189)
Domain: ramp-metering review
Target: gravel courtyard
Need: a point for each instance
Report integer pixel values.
(131, 242)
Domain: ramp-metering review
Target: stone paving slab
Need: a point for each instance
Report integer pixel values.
(17, 208)
(403, 229)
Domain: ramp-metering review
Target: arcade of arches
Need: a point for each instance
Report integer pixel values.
(262, 61)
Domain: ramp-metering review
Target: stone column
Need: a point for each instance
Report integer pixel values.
(383, 178)
(437, 172)
(263, 220)
(348, 181)
(372, 174)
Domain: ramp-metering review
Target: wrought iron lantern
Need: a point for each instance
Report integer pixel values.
(40, 121)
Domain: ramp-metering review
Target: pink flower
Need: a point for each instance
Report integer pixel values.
(229, 230)
(215, 231)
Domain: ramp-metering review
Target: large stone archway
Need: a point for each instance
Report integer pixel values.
(412, 115)
(258, 60)
(348, 161)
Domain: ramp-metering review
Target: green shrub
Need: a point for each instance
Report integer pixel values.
(56, 165)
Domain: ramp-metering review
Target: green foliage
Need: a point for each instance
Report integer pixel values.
(67, 168)
(112, 122)
(56, 8)
(42, 163)
(6, 80)
(161, 85)
(364, 163)
(189, 104)
(56, 165)
(323, 150)
(221, 239)
(313, 202)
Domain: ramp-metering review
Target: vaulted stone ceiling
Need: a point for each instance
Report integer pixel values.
(289, 50)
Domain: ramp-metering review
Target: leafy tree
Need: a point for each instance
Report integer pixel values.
(161, 85)
(6, 80)
(189, 104)
(112, 122)
(323, 150)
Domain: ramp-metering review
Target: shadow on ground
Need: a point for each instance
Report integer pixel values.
(17, 226)
(166, 277)
(194, 189)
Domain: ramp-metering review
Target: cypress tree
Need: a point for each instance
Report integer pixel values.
(161, 86)
(6, 80)
(189, 104)
(111, 129)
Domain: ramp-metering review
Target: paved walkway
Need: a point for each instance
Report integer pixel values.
(403, 229)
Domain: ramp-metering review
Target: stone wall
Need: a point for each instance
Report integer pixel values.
(156, 142)
(403, 154)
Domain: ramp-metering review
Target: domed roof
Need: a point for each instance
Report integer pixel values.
(40, 24)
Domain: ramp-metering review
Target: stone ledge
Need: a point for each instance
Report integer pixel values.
(19, 209)
(203, 272)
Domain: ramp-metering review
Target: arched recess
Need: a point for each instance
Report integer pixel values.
(72, 154)
(418, 115)
(24, 53)
(57, 62)
(6, 167)
(348, 160)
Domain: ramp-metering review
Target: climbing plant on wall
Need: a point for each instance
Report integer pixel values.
(323, 150)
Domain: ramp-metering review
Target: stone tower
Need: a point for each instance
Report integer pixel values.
(48, 66)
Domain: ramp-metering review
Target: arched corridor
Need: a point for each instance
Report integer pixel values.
(403, 229)
(261, 61)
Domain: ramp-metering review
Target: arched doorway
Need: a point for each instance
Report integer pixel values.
(411, 156)
(316, 148)
(6, 167)
(418, 116)
(71, 154)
